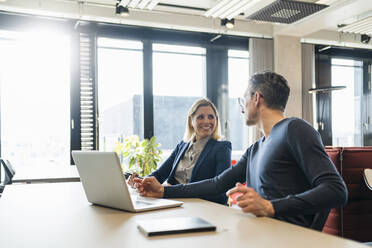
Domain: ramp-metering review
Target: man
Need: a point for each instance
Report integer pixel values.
(288, 173)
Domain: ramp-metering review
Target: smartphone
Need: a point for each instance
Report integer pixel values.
(127, 175)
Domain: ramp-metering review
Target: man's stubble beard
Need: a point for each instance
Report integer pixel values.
(251, 119)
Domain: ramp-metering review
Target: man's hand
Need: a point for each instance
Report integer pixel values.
(251, 202)
(149, 187)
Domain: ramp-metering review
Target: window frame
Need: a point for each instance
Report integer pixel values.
(148, 36)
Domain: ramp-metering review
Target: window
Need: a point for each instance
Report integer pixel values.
(35, 93)
(85, 90)
(238, 71)
(178, 80)
(120, 90)
(346, 103)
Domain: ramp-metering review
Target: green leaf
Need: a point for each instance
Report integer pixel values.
(142, 156)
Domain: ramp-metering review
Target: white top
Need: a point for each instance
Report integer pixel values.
(186, 164)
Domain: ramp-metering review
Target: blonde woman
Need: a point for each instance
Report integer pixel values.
(200, 155)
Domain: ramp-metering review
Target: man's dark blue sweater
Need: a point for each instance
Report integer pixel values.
(290, 168)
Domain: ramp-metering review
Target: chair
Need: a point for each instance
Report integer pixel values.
(367, 175)
(8, 172)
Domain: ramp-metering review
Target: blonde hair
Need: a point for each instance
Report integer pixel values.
(190, 132)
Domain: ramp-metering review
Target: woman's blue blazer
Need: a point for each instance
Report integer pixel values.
(213, 160)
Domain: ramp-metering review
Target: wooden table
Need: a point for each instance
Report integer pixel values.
(58, 215)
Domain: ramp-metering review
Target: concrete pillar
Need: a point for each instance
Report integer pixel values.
(288, 63)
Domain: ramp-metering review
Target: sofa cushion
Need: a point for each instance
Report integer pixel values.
(334, 155)
(354, 220)
(333, 224)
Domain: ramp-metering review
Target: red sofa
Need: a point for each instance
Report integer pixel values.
(354, 220)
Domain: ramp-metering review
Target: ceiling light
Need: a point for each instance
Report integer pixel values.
(143, 4)
(152, 4)
(124, 3)
(327, 2)
(133, 3)
(363, 26)
(121, 10)
(230, 8)
(225, 8)
(236, 7)
(215, 8)
(242, 9)
(228, 23)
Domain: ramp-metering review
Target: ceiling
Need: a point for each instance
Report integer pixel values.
(321, 27)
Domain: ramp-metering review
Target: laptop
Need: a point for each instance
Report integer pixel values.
(104, 183)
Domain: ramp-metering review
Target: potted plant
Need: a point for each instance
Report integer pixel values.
(140, 156)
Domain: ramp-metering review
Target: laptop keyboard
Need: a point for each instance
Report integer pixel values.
(141, 201)
(146, 199)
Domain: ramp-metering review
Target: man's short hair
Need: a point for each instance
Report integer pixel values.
(272, 86)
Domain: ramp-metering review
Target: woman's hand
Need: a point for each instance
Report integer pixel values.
(131, 179)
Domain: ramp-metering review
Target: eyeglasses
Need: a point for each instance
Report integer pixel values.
(241, 102)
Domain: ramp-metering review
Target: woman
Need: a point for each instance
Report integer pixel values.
(200, 155)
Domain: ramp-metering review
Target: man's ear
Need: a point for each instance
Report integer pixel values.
(256, 98)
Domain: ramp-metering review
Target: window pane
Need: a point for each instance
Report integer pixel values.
(238, 70)
(178, 49)
(346, 103)
(238, 54)
(116, 43)
(120, 87)
(178, 80)
(35, 98)
(348, 62)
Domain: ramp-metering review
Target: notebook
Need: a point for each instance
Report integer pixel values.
(174, 225)
(104, 183)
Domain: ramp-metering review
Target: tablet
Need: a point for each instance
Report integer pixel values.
(174, 225)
